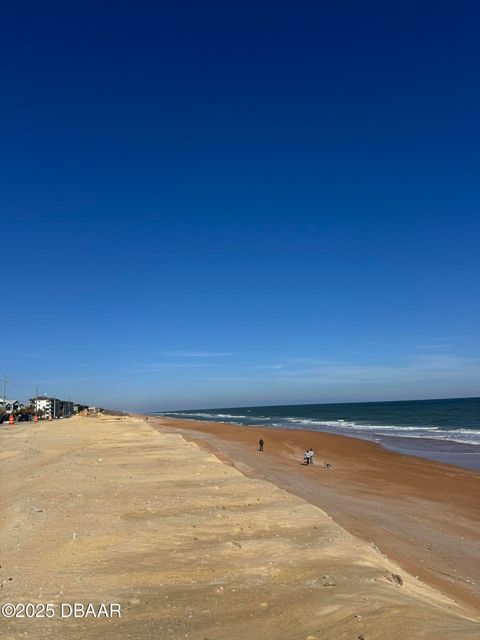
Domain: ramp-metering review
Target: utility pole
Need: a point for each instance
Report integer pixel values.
(54, 407)
(36, 401)
(4, 406)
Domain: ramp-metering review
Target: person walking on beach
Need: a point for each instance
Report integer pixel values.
(260, 444)
(308, 457)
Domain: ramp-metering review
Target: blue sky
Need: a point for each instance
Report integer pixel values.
(216, 205)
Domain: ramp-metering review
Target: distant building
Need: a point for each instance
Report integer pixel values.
(79, 407)
(10, 406)
(52, 407)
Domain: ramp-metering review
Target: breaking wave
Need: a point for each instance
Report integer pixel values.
(341, 426)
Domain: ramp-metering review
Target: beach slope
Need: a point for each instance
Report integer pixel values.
(108, 509)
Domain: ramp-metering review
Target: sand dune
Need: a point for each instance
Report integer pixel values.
(109, 510)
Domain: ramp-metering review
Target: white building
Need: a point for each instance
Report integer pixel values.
(52, 407)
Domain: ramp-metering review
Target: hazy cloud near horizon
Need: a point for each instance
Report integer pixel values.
(420, 376)
(230, 381)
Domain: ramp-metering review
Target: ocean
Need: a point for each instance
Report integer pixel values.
(443, 430)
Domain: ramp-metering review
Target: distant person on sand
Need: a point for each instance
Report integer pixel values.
(260, 444)
(308, 457)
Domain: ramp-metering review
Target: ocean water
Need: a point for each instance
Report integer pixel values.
(445, 430)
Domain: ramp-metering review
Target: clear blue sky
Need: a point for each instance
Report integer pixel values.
(217, 204)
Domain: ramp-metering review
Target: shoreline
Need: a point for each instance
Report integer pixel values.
(452, 452)
(449, 452)
(422, 514)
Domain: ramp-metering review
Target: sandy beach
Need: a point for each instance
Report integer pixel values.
(422, 514)
(206, 547)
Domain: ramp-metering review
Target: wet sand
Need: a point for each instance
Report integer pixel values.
(458, 454)
(424, 515)
(111, 510)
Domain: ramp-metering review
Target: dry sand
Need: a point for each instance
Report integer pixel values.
(109, 509)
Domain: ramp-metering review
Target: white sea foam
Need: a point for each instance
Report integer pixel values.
(462, 436)
(211, 416)
(473, 439)
(372, 431)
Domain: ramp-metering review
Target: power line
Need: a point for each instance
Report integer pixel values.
(21, 386)
(23, 381)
